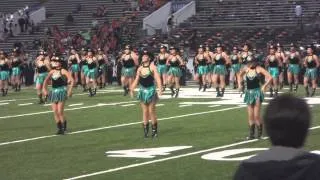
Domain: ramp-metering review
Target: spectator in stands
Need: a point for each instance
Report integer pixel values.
(69, 19)
(27, 20)
(170, 24)
(298, 11)
(287, 120)
(95, 24)
(22, 23)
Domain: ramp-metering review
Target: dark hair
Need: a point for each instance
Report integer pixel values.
(287, 119)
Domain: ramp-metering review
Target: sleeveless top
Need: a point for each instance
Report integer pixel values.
(252, 79)
(174, 63)
(58, 80)
(234, 59)
(100, 60)
(219, 59)
(129, 63)
(16, 62)
(4, 66)
(202, 61)
(246, 58)
(293, 59)
(74, 61)
(146, 80)
(43, 68)
(163, 60)
(92, 64)
(273, 62)
(311, 63)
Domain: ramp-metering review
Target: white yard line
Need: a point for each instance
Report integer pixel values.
(78, 94)
(167, 159)
(116, 126)
(126, 105)
(70, 109)
(3, 104)
(25, 104)
(214, 106)
(78, 104)
(187, 105)
(158, 105)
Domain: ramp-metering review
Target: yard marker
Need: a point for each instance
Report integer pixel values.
(79, 104)
(115, 126)
(126, 105)
(25, 104)
(168, 158)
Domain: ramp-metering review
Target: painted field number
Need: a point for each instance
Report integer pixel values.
(235, 154)
(145, 153)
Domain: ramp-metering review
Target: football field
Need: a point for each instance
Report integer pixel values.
(200, 137)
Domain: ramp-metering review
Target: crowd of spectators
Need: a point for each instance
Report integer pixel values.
(145, 5)
(106, 36)
(12, 24)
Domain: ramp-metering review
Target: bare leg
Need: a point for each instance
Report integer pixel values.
(153, 116)
(145, 118)
(251, 122)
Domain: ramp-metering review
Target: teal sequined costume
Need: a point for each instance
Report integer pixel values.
(75, 68)
(293, 67)
(202, 67)
(4, 75)
(174, 69)
(42, 74)
(147, 90)
(273, 67)
(128, 69)
(84, 67)
(311, 71)
(58, 93)
(92, 70)
(211, 68)
(235, 67)
(253, 93)
(41, 77)
(274, 71)
(162, 67)
(219, 68)
(128, 72)
(203, 70)
(16, 70)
